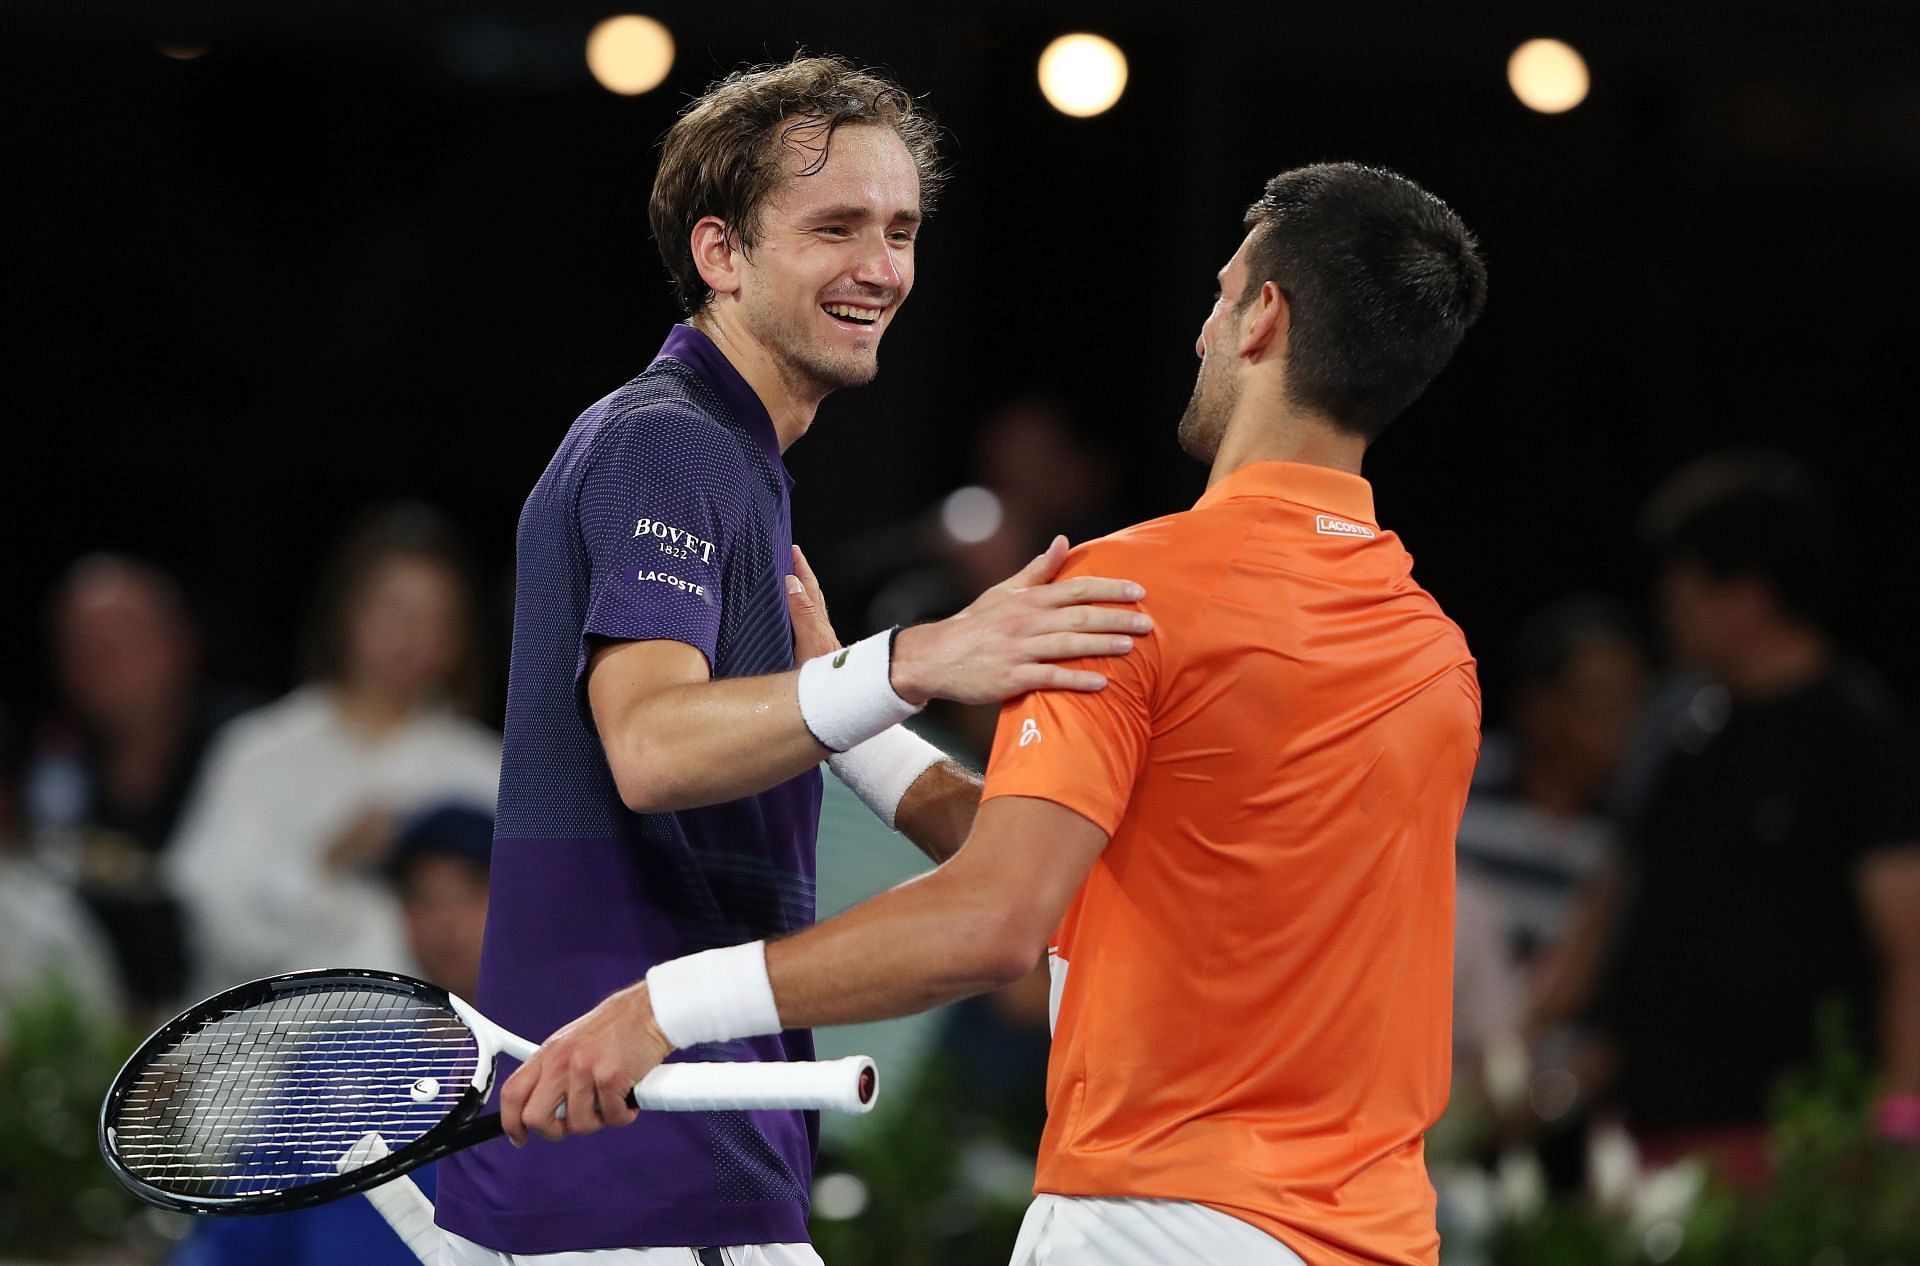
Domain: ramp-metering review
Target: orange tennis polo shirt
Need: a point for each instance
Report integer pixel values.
(1253, 988)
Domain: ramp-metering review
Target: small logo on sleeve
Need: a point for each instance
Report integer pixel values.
(1327, 525)
(1029, 732)
(840, 660)
(674, 542)
(672, 581)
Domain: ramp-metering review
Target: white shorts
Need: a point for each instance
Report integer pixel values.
(1080, 1231)
(455, 1251)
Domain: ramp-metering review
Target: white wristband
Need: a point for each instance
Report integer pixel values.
(714, 996)
(847, 697)
(881, 769)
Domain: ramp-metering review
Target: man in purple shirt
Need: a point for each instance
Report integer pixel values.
(660, 790)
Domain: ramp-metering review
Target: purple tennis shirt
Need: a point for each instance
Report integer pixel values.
(664, 514)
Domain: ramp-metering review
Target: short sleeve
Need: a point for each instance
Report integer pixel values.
(659, 506)
(1082, 750)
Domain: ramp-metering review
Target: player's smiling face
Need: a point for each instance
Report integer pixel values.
(835, 257)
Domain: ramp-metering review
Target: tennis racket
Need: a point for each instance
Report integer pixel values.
(261, 1098)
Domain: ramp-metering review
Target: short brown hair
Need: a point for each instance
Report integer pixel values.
(722, 156)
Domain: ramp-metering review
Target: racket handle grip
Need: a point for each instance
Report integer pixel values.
(837, 1085)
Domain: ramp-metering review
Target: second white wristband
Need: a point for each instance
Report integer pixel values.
(881, 769)
(714, 996)
(847, 696)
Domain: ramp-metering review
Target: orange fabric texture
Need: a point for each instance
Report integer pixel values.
(1258, 971)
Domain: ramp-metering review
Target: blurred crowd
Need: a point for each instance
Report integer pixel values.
(1679, 872)
(1694, 825)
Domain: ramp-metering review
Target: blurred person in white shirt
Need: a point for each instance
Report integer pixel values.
(277, 856)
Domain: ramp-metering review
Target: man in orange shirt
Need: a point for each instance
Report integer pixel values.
(1238, 856)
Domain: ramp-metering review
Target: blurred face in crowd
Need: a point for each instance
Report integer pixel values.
(1029, 457)
(126, 652)
(835, 258)
(405, 628)
(445, 901)
(1709, 619)
(1216, 391)
(1583, 722)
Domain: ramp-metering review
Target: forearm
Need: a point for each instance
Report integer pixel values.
(708, 742)
(1900, 1029)
(938, 810)
(925, 943)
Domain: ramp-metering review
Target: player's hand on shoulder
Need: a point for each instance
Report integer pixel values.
(812, 630)
(1008, 641)
(590, 1066)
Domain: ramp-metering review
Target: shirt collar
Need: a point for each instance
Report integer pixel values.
(1320, 487)
(697, 352)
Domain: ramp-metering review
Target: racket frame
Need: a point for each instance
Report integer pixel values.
(464, 1124)
(844, 1085)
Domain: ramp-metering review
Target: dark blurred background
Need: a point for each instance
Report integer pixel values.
(355, 251)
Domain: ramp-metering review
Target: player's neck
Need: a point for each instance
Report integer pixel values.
(790, 402)
(1272, 431)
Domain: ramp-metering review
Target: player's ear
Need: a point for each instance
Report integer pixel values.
(1269, 317)
(716, 254)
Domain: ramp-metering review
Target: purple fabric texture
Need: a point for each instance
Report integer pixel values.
(664, 514)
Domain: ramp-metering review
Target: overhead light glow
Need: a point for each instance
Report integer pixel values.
(630, 54)
(1083, 75)
(181, 50)
(1548, 76)
(972, 514)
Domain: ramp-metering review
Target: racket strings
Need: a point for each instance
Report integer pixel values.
(269, 1097)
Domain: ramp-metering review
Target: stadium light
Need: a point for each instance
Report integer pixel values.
(630, 54)
(1548, 76)
(972, 514)
(1083, 75)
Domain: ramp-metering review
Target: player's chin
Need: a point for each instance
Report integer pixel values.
(850, 369)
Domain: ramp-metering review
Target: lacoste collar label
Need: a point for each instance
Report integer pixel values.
(1327, 525)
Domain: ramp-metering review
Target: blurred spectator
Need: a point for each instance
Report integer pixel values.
(46, 935)
(1536, 825)
(114, 766)
(1776, 863)
(438, 866)
(1030, 476)
(1046, 478)
(1035, 475)
(276, 856)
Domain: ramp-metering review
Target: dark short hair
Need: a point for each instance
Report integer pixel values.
(1752, 514)
(722, 157)
(1382, 280)
(1548, 641)
(446, 829)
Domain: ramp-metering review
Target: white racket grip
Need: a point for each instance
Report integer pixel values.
(838, 1085)
(404, 1206)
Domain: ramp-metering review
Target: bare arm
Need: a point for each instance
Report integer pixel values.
(977, 922)
(937, 812)
(1888, 884)
(675, 739)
